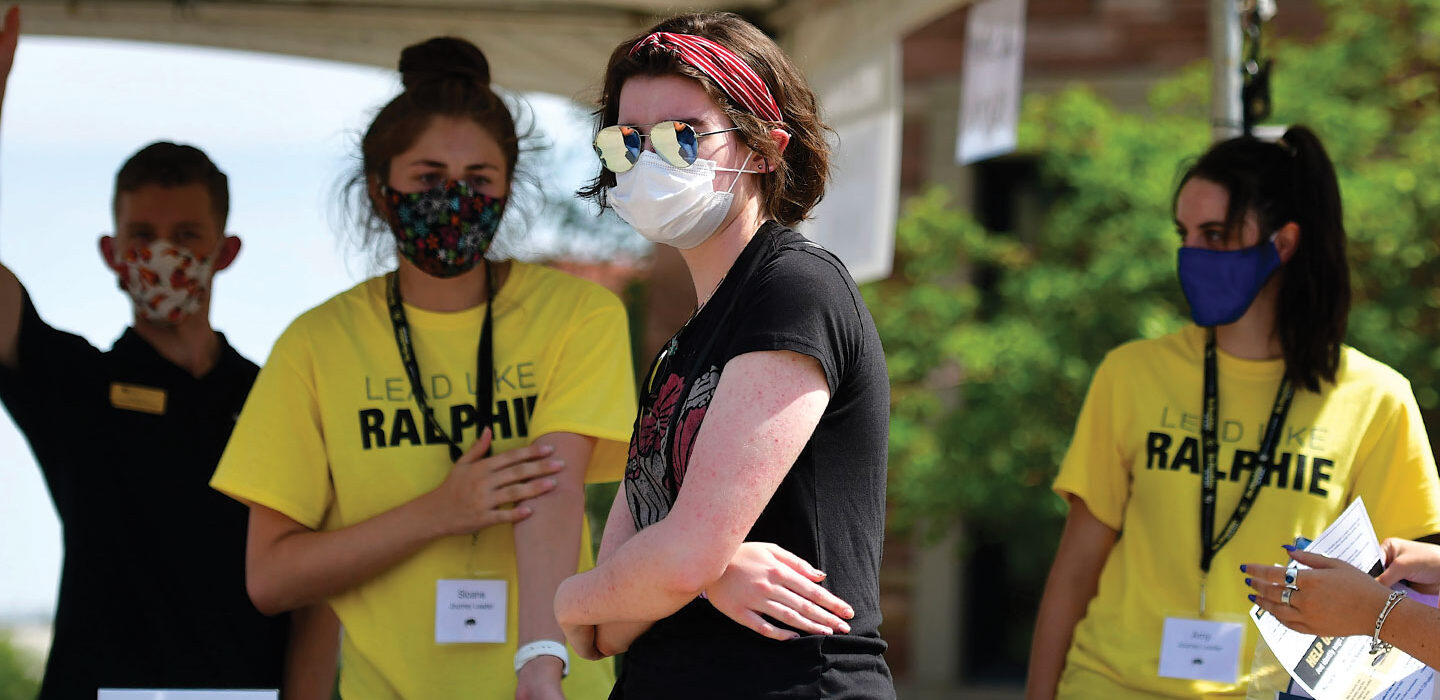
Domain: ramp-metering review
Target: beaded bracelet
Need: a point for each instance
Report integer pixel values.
(1377, 646)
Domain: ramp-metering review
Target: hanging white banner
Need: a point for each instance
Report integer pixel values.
(990, 93)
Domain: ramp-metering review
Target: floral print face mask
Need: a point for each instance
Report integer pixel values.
(166, 282)
(444, 231)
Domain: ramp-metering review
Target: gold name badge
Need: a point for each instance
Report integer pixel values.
(134, 397)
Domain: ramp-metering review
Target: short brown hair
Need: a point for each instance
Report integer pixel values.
(174, 165)
(797, 182)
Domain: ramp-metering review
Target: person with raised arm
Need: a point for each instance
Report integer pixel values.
(152, 589)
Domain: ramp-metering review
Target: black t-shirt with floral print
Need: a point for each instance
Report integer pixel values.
(783, 293)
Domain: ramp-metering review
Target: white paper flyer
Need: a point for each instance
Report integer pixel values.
(1342, 668)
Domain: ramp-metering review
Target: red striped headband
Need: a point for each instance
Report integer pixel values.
(738, 80)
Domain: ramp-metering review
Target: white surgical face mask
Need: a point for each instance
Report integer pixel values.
(675, 206)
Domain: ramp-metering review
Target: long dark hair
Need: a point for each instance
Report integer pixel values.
(797, 182)
(1292, 180)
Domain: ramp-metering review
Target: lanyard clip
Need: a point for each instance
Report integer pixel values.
(1204, 578)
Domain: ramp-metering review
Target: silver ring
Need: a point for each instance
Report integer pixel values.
(1285, 595)
(1292, 576)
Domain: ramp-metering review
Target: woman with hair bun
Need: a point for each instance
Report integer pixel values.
(760, 447)
(1208, 446)
(415, 450)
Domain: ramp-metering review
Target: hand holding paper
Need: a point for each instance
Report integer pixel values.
(1319, 626)
(1332, 598)
(1415, 562)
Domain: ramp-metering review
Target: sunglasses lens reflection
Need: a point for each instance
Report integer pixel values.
(618, 147)
(675, 142)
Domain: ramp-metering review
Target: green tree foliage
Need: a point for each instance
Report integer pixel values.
(17, 680)
(988, 379)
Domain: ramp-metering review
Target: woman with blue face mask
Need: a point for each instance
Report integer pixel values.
(741, 559)
(1198, 451)
(415, 450)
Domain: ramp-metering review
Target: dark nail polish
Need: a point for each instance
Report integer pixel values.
(1247, 581)
(1288, 547)
(1242, 570)
(1251, 597)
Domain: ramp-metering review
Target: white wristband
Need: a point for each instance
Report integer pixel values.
(543, 647)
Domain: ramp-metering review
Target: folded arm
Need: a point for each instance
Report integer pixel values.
(764, 411)
(288, 565)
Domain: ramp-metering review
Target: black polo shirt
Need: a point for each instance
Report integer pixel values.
(152, 593)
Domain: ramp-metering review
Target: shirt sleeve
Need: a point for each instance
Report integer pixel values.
(803, 303)
(276, 457)
(48, 386)
(592, 388)
(1095, 469)
(1396, 475)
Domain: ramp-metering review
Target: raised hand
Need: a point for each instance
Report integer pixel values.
(9, 39)
(479, 490)
(765, 579)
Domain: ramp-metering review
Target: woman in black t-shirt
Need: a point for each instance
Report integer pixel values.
(760, 445)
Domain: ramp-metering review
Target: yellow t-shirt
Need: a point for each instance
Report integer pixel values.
(1135, 462)
(330, 436)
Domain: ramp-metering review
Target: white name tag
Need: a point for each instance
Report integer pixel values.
(153, 694)
(469, 611)
(1201, 650)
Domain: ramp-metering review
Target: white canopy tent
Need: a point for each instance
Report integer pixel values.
(849, 49)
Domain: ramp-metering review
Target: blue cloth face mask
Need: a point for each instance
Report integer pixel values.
(1221, 284)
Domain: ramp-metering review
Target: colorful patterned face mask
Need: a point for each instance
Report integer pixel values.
(444, 231)
(166, 282)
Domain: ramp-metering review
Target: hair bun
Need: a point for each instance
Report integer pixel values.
(441, 59)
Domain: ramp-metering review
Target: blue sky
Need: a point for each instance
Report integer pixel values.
(283, 129)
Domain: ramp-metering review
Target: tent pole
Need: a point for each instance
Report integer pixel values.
(1225, 82)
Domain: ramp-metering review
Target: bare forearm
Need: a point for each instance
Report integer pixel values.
(10, 305)
(1074, 579)
(310, 662)
(305, 567)
(547, 551)
(612, 592)
(1060, 610)
(613, 638)
(1414, 628)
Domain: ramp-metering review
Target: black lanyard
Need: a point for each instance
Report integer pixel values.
(484, 361)
(1209, 450)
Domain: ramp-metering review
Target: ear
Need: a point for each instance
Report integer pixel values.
(372, 187)
(1287, 241)
(229, 248)
(781, 138)
(107, 252)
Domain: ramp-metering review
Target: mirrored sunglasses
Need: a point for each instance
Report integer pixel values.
(619, 146)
